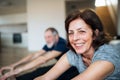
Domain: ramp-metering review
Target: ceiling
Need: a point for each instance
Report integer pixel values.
(72, 5)
(19, 6)
(12, 6)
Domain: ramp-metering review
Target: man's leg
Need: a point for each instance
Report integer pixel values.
(34, 74)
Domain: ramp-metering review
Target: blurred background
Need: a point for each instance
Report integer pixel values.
(23, 22)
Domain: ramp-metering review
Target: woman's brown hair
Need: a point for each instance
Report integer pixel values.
(91, 18)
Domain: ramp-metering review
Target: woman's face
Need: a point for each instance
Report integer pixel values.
(80, 36)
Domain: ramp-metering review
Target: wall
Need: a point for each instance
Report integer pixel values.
(10, 24)
(106, 20)
(118, 29)
(13, 19)
(13, 28)
(112, 7)
(79, 4)
(7, 40)
(41, 15)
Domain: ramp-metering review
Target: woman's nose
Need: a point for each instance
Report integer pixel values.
(76, 36)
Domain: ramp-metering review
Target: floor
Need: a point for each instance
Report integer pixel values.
(10, 55)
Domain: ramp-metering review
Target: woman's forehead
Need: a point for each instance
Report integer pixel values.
(78, 24)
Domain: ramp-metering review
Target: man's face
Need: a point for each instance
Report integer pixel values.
(50, 38)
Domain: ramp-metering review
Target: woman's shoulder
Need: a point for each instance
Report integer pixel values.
(107, 52)
(107, 49)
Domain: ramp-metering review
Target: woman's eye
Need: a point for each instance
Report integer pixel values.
(81, 31)
(70, 33)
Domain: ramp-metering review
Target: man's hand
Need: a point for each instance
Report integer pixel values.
(10, 73)
(3, 78)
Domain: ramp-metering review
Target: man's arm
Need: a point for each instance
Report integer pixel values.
(28, 58)
(96, 71)
(24, 60)
(36, 62)
(40, 60)
(60, 67)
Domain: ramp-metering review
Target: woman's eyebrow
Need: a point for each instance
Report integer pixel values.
(79, 28)
(70, 30)
(76, 29)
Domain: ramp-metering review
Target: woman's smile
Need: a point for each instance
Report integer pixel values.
(78, 45)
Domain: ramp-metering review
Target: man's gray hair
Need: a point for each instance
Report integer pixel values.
(53, 30)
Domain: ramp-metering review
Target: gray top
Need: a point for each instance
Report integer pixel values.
(104, 52)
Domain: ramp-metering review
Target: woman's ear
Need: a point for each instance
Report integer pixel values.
(96, 33)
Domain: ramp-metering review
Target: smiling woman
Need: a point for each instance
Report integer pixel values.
(89, 51)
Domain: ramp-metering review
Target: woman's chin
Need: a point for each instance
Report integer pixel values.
(79, 52)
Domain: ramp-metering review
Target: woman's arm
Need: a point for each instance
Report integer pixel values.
(96, 71)
(60, 67)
